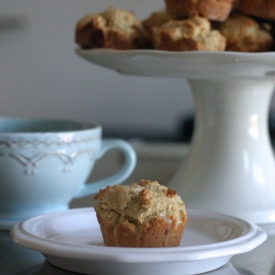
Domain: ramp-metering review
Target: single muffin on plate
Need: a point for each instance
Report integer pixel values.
(192, 34)
(245, 34)
(144, 214)
(216, 10)
(113, 28)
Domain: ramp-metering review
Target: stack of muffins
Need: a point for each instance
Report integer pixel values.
(184, 25)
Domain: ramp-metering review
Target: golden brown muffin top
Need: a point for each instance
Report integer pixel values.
(112, 18)
(245, 34)
(194, 33)
(140, 202)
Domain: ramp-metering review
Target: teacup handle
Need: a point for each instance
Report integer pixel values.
(121, 175)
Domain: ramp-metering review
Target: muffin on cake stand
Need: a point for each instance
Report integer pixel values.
(230, 168)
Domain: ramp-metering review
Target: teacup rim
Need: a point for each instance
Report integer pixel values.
(84, 126)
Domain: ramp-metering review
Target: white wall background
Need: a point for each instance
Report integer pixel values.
(41, 76)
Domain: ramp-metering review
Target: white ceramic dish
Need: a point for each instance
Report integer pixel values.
(190, 65)
(72, 240)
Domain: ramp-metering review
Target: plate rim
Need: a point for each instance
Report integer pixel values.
(213, 57)
(171, 53)
(185, 64)
(22, 235)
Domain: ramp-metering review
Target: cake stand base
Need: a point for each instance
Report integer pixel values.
(230, 168)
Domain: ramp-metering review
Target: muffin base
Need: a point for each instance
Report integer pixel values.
(159, 232)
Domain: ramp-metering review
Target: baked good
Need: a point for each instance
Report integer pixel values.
(264, 9)
(235, 4)
(217, 10)
(144, 214)
(244, 34)
(112, 28)
(192, 34)
(155, 20)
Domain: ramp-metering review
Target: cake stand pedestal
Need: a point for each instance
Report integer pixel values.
(230, 167)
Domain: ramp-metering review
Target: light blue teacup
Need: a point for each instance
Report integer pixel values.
(45, 163)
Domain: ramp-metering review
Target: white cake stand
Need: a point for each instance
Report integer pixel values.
(230, 168)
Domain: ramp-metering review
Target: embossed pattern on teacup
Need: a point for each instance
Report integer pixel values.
(49, 142)
(31, 163)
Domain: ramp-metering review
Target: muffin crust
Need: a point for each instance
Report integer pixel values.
(144, 214)
(192, 34)
(264, 9)
(112, 28)
(244, 34)
(217, 10)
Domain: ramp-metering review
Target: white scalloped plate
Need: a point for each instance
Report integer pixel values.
(193, 64)
(72, 240)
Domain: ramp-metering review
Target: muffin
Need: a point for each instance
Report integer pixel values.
(144, 214)
(244, 34)
(211, 9)
(264, 9)
(155, 20)
(192, 34)
(112, 28)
